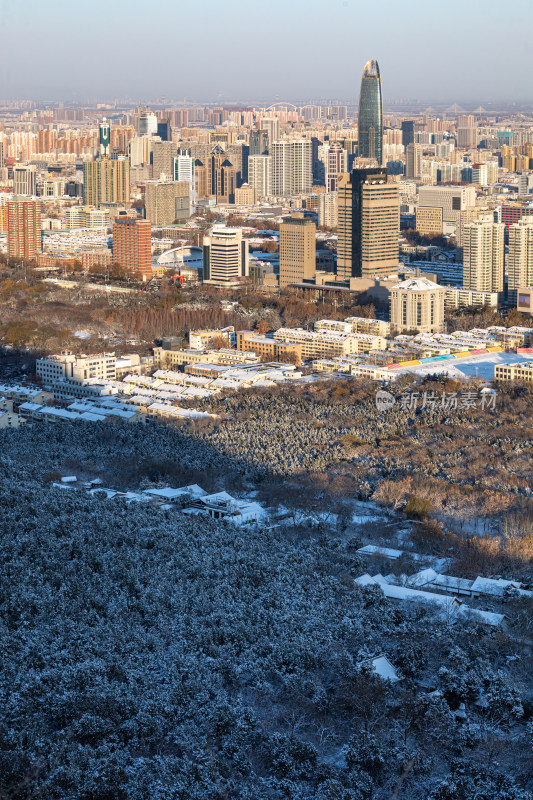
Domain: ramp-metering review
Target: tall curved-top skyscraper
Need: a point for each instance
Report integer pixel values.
(370, 121)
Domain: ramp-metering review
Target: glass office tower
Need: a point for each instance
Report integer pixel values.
(370, 119)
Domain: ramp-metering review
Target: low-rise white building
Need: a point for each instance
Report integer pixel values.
(222, 505)
(10, 420)
(68, 365)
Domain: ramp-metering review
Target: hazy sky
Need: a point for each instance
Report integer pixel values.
(241, 50)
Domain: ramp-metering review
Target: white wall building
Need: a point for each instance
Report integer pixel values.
(291, 167)
(327, 209)
(24, 180)
(67, 365)
(483, 253)
(184, 168)
(520, 259)
(146, 123)
(225, 255)
(417, 304)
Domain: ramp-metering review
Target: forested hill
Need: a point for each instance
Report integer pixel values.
(146, 655)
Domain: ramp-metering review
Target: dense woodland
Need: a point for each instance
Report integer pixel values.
(469, 466)
(43, 317)
(148, 655)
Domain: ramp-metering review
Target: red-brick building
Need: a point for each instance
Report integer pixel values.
(23, 229)
(132, 246)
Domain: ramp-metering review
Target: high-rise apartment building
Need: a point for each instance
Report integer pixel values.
(335, 160)
(480, 174)
(483, 253)
(413, 161)
(259, 174)
(106, 180)
(23, 228)
(163, 155)
(132, 246)
(140, 149)
(525, 181)
(25, 180)
(370, 119)
(2, 154)
(327, 209)
(271, 126)
(120, 136)
(167, 202)
(225, 255)
(297, 249)
(368, 224)
(408, 132)
(467, 137)
(46, 140)
(3, 212)
(292, 167)
(520, 259)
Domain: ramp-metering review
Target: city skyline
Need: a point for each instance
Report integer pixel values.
(266, 401)
(447, 63)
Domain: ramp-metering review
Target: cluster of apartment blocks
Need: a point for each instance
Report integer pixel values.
(480, 236)
(358, 346)
(225, 253)
(99, 396)
(367, 243)
(13, 397)
(370, 339)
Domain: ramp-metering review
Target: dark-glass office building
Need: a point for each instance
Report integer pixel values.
(408, 132)
(370, 119)
(164, 130)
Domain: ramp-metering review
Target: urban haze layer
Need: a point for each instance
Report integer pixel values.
(266, 403)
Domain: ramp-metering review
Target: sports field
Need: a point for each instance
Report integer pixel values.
(481, 366)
